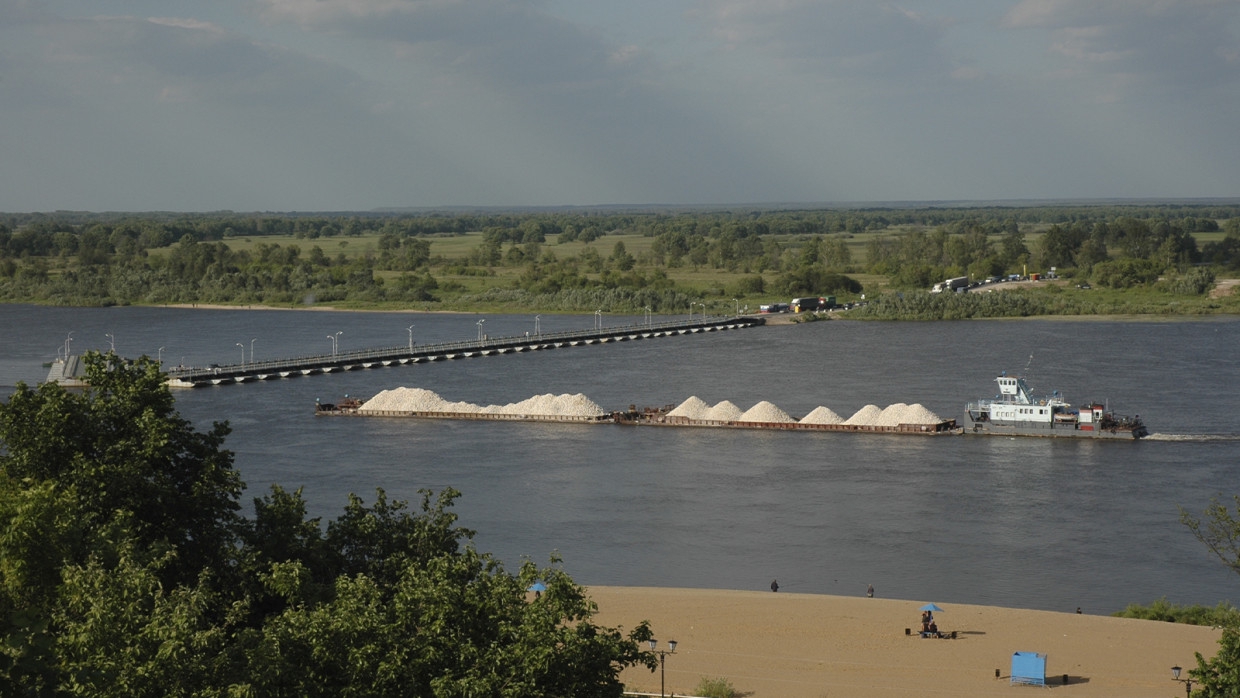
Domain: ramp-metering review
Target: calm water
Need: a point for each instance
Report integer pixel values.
(1051, 524)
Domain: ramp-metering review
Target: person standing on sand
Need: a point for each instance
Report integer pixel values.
(774, 585)
(869, 591)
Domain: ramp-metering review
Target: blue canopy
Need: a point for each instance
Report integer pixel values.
(537, 586)
(931, 607)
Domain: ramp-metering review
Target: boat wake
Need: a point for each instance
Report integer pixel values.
(1192, 437)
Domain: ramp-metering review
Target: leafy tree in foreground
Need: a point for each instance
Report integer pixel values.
(126, 568)
(1219, 530)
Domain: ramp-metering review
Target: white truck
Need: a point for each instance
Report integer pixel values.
(951, 284)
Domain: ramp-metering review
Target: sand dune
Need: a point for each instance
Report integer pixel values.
(772, 645)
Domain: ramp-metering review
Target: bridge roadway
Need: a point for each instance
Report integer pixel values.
(400, 356)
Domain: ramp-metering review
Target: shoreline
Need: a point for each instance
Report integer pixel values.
(809, 645)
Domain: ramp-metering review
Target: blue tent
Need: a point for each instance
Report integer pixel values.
(1029, 667)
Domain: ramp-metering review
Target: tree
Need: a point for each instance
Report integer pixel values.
(126, 568)
(1219, 531)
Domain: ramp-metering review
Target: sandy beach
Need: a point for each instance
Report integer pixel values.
(805, 645)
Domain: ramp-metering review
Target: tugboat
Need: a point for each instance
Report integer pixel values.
(1016, 412)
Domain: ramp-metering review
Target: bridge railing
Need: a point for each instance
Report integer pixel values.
(417, 350)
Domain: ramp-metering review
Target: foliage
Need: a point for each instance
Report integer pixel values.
(126, 568)
(1222, 614)
(714, 688)
(1219, 531)
(443, 259)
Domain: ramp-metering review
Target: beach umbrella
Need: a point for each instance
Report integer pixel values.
(537, 586)
(931, 607)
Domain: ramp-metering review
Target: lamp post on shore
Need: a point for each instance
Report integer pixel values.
(671, 644)
(1188, 682)
(111, 341)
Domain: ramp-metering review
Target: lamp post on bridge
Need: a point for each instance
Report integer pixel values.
(480, 328)
(335, 340)
(410, 339)
(111, 341)
(537, 329)
(647, 316)
(242, 354)
(598, 319)
(68, 342)
(662, 661)
(738, 307)
(252, 351)
(159, 356)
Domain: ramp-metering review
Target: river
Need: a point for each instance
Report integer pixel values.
(1020, 522)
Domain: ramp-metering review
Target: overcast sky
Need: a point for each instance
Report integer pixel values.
(319, 105)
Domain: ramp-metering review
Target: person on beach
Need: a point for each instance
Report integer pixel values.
(774, 585)
(869, 591)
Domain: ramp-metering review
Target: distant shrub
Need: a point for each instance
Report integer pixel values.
(1222, 614)
(1194, 282)
(715, 688)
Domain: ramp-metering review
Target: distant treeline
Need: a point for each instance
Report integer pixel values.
(90, 259)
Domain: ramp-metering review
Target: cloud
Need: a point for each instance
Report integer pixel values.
(1173, 45)
(833, 38)
(504, 42)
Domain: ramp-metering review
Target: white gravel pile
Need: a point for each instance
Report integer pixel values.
(764, 412)
(891, 415)
(723, 412)
(413, 400)
(822, 415)
(549, 405)
(901, 413)
(693, 408)
(422, 400)
(865, 417)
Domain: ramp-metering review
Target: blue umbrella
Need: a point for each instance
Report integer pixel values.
(537, 586)
(931, 607)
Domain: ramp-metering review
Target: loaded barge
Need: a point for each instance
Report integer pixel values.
(649, 416)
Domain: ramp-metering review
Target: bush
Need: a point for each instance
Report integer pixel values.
(1222, 614)
(715, 688)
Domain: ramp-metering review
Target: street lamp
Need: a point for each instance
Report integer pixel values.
(647, 316)
(411, 339)
(480, 328)
(738, 307)
(1188, 682)
(111, 341)
(598, 319)
(252, 350)
(537, 330)
(662, 659)
(242, 354)
(159, 356)
(335, 341)
(68, 342)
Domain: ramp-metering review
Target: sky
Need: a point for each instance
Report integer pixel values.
(350, 105)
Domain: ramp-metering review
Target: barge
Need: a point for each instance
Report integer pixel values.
(649, 416)
(1017, 412)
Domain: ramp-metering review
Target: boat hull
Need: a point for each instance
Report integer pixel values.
(1050, 430)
